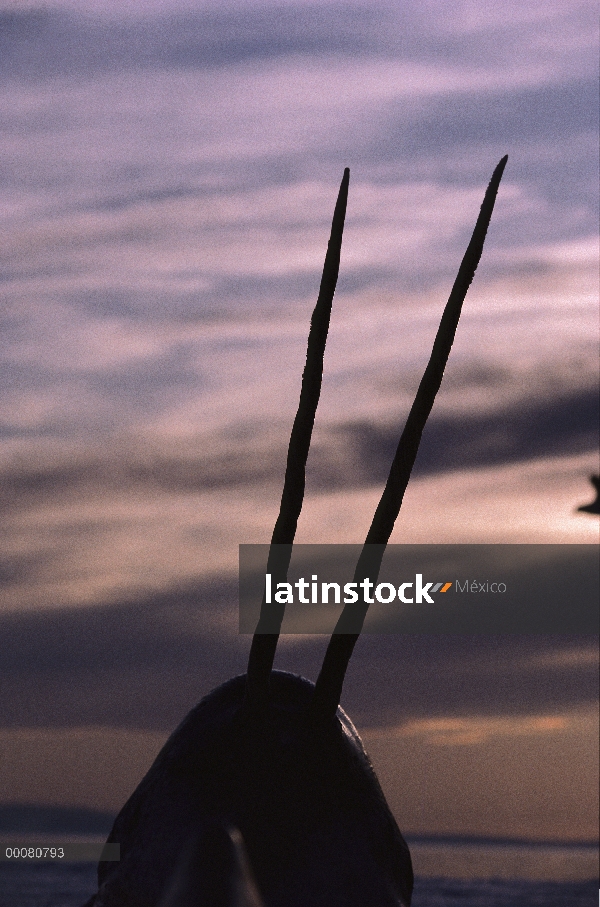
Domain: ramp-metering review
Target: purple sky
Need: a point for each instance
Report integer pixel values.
(167, 184)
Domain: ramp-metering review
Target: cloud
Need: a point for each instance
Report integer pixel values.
(525, 431)
(224, 35)
(470, 731)
(101, 766)
(48, 43)
(533, 777)
(143, 662)
(494, 787)
(345, 455)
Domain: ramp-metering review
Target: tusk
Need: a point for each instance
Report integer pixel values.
(262, 651)
(330, 681)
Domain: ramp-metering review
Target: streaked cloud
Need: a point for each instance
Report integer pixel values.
(470, 731)
(495, 776)
(439, 787)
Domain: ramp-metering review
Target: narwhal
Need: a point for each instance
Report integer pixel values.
(269, 766)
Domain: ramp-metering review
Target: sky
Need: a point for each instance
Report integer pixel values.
(167, 180)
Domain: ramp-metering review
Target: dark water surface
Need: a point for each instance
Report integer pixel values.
(71, 885)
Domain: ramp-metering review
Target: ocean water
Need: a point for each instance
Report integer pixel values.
(72, 885)
(536, 880)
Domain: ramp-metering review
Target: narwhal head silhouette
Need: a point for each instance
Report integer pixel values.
(272, 755)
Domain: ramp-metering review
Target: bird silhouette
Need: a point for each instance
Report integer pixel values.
(594, 506)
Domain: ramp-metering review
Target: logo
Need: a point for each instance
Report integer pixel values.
(385, 593)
